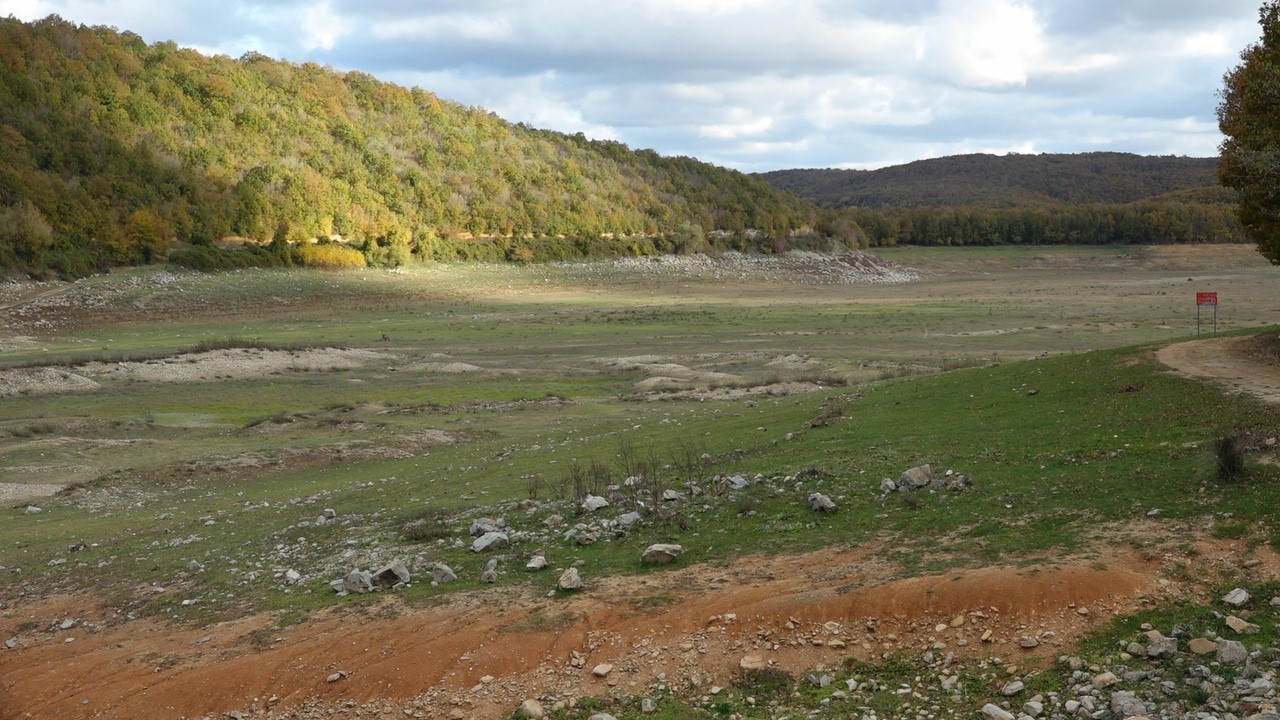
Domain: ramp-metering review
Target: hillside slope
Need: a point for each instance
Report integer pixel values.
(1009, 181)
(111, 148)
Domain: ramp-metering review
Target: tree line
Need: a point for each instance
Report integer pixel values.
(113, 151)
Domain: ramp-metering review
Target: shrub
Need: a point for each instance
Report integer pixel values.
(1228, 456)
(331, 257)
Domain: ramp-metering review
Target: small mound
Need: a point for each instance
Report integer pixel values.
(43, 381)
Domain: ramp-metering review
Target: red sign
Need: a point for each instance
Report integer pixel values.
(1207, 298)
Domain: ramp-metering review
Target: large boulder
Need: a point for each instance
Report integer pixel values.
(392, 574)
(570, 579)
(490, 541)
(357, 581)
(480, 526)
(917, 477)
(441, 573)
(661, 554)
(593, 503)
(821, 503)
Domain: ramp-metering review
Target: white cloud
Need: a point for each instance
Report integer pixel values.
(983, 43)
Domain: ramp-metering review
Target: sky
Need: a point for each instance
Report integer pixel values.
(760, 85)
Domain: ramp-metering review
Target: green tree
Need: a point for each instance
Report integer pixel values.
(1250, 162)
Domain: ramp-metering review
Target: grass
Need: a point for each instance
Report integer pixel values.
(1056, 447)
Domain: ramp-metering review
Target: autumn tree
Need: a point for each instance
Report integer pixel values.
(1250, 162)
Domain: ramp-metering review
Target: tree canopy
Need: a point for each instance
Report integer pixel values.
(1249, 117)
(113, 150)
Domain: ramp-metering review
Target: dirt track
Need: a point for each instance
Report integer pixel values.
(1224, 361)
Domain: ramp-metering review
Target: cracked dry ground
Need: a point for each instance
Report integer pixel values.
(479, 654)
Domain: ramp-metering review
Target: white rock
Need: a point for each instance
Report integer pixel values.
(1236, 597)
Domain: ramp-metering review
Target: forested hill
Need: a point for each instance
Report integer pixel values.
(111, 150)
(1009, 181)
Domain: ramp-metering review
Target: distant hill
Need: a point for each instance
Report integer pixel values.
(1008, 181)
(112, 150)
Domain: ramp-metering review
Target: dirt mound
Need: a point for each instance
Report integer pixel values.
(486, 651)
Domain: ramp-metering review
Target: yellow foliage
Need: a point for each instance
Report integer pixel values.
(331, 257)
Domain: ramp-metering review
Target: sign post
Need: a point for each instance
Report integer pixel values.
(1207, 299)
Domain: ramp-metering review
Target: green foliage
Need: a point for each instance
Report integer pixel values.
(328, 256)
(1250, 162)
(123, 148)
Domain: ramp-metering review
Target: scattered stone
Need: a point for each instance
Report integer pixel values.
(626, 520)
(335, 677)
(738, 482)
(293, 577)
(1125, 704)
(328, 514)
(490, 541)
(490, 574)
(916, 478)
(821, 503)
(1162, 647)
(1242, 626)
(887, 485)
(593, 503)
(1236, 598)
(570, 579)
(1027, 643)
(392, 574)
(33, 510)
(537, 562)
(661, 554)
(647, 705)
(531, 709)
(11, 643)
(672, 495)
(992, 711)
(357, 581)
(1013, 687)
(1105, 680)
(553, 521)
(602, 670)
(602, 716)
(441, 573)
(1202, 646)
(1231, 652)
(481, 526)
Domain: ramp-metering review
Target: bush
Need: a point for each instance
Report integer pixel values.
(1228, 456)
(331, 257)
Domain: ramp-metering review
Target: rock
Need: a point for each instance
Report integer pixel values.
(1028, 642)
(1236, 598)
(1162, 647)
(293, 577)
(553, 521)
(593, 503)
(1033, 708)
(531, 709)
(992, 711)
(738, 482)
(1013, 687)
(480, 526)
(602, 670)
(570, 580)
(328, 514)
(441, 573)
(821, 503)
(1202, 646)
(357, 581)
(1241, 626)
(195, 566)
(1125, 704)
(537, 562)
(335, 677)
(752, 662)
(672, 495)
(11, 643)
(887, 485)
(1104, 680)
(490, 541)
(916, 478)
(490, 574)
(602, 716)
(661, 554)
(393, 574)
(33, 510)
(647, 705)
(628, 519)
(1231, 652)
